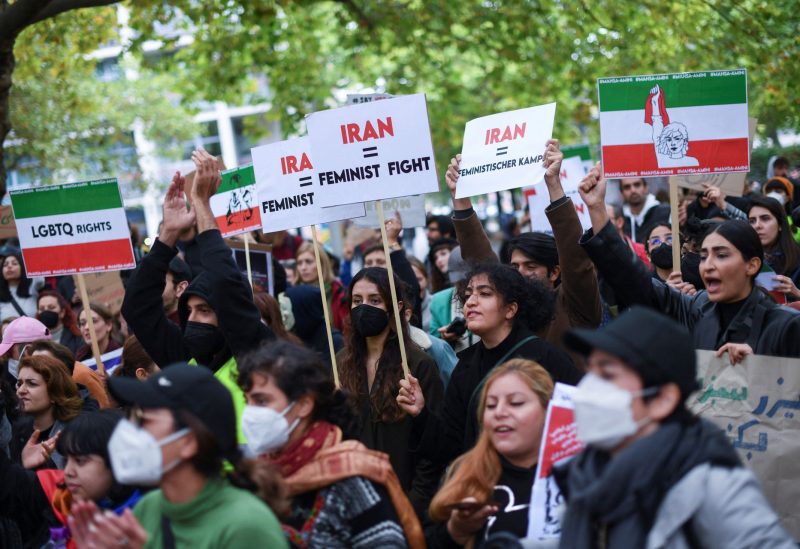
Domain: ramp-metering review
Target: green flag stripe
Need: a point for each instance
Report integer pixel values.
(679, 91)
(237, 177)
(87, 196)
(581, 151)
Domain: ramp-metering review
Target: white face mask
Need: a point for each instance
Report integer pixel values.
(136, 455)
(265, 429)
(780, 197)
(13, 364)
(603, 412)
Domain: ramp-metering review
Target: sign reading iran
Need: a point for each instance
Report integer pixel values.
(505, 150)
(572, 173)
(373, 151)
(285, 180)
(674, 124)
(73, 228)
(235, 204)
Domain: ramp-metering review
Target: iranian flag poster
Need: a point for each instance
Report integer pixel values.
(674, 124)
(235, 204)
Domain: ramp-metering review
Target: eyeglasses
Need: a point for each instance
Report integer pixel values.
(657, 241)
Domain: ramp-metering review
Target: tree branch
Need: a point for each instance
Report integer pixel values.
(56, 7)
(19, 15)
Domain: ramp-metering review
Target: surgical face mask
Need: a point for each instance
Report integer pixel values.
(603, 413)
(13, 363)
(265, 429)
(780, 197)
(368, 321)
(136, 455)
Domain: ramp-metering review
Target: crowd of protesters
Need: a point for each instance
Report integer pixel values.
(232, 421)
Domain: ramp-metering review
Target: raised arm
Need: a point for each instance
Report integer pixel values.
(657, 117)
(475, 245)
(400, 263)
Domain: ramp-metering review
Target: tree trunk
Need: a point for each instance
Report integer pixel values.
(7, 63)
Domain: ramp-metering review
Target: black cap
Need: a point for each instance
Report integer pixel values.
(658, 348)
(184, 387)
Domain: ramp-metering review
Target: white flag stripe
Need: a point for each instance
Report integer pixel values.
(702, 123)
(219, 202)
(85, 227)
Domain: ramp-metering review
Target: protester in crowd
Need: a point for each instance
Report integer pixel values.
(41, 502)
(91, 385)
(781, 252)
(307, 274)
(558, 261)
(652, 474)
(17, 291)
(782, 190)
(658, 245)
(136, 363)
(424, 296)
(103, 322)
(178, 277)
(271, 315)
(343, 495)
(182, 429)
(56, 313)
(618, 219)
(488, 488)
(731, 316)
(370, 368)
(439, 227)
(506, 311)
(218, 319)
(711, 204)
(49, 400)
(309, 321)
(284, 245)
(640, 207)
(438, 257)
(447, 311)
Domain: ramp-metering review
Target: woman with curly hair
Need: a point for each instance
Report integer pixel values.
(505, 311)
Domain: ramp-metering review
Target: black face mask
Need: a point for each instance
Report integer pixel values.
(368, 321)
(661, 256)
(203, 340)
(48, 318)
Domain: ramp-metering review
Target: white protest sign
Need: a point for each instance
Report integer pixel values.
(359, 98)
(410, 208)
(372, 151)
(286, 188)
(572, 172)
(505, 151)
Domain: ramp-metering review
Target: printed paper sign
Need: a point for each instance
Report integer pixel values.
(505, 150)
(757, 404)
(235, 204)
(73, 228)
(674, 124)
(411, 209)
(287, 188)
(8, 228)
(359, 98)
(372, 151)
(105, 289)
(559, 442)
(732, 184)
(572, 172)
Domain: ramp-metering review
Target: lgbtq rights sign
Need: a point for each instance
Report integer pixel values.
(372, 151)
(73, 228)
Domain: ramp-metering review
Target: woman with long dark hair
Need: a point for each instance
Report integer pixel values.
(17, 291)
(370, 368)
(768, 217)
(55, 313)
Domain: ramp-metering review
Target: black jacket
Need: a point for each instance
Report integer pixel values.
(768, 328)
(657, 214)
(23, 500)
(220, 284)
(455, 429)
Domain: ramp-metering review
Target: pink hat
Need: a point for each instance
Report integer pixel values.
(23, 330)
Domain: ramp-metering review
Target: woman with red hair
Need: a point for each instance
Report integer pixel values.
(56, 313)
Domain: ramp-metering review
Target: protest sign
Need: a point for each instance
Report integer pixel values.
(285, 180)
(757, 404)
(505, 150)
(73, 228)
(674, 124)
(106, 289)
(372, 151)
(359, 98)
(410, 208)
(260, 273)
(8, 228)
(732, 184)
(559, 442)
(572, 172)
(581, 151)
(235, 204)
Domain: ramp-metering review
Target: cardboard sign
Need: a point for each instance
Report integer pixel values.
(411, 209)
(732, 184)
(235, 204)
(674, 124)
(106, 289)
(372, 151)
(286, 188)
(8, 227)
(757, 403)
(505, 150)
(359, 98)
(572, 173)
(73, 228)
(559, 442)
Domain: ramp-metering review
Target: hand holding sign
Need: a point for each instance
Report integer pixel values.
(593, 193)
(177, 217)
(451, 177)
(394, 226)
